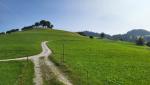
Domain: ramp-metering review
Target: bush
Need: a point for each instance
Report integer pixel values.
(140, 41)
(91, 37)
(27, 28)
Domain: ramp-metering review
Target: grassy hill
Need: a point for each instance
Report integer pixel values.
(85, 61)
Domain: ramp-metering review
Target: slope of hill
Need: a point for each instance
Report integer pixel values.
(100, 62)
(22, 44)
(84, 60)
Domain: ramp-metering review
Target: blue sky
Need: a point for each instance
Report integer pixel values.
(109, 16)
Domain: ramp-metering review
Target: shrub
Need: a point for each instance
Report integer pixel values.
(12, 30)
(148, 44)
(91, 37)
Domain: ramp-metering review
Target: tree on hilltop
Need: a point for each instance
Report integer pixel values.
(42, 23)
(46, 24)
(37, 24)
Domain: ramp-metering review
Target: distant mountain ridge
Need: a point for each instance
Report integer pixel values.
(134, 34)
(138, 32)
(89, 33)
(130, 36)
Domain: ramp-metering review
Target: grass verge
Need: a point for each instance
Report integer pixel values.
(16, 73)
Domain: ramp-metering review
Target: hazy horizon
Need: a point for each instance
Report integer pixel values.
(109, 16)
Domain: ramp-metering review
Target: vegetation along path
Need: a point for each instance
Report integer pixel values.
(38, 80)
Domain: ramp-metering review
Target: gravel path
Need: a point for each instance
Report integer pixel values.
(38, 80)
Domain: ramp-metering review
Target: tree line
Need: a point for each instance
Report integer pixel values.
(42, 24)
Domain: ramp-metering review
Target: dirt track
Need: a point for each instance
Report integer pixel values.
(46, 52)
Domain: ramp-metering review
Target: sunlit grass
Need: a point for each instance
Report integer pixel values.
(88, 61)
(16, 73)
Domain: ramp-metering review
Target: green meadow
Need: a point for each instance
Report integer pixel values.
(103, 62)
(85, 61)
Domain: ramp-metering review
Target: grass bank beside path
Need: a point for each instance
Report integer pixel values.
(16, 73)
(102, 62)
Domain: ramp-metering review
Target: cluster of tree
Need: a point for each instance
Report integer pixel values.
(44, 24)
(140, 41)
(2, 33)
(41, 24)
(12, 30)
(27, 28)
(102, 35)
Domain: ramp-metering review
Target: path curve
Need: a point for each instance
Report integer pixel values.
(46, 52)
